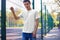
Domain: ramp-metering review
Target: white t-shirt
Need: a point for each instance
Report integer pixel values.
(29, 18)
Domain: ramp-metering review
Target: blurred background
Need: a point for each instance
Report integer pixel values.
(51, 6)
(49, 11)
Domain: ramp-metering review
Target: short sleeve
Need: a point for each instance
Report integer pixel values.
(20, 15)
(37, 15)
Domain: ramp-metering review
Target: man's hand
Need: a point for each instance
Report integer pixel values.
(34, 34)
(12, 9)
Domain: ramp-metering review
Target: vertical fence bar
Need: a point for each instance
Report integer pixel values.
(33, 4)
(3, 19)
(41, 22)
(45, 19)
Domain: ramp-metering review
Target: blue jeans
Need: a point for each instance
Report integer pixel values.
(27, 36)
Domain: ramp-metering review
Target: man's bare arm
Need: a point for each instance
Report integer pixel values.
(12, 9)
(36, 27)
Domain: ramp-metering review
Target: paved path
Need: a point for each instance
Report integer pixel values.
(16, 34)
(54, 34)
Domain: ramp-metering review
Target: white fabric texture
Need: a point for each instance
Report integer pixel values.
(29, 18)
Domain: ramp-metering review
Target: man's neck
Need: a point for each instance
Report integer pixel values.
(29, 9)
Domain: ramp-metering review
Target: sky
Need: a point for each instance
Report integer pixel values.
(9, 4)
(20, 3)
(51, 5)
(16, 4)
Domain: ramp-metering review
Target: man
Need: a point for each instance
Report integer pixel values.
(31, 19)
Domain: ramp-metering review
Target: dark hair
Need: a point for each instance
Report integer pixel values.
(27, 1)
